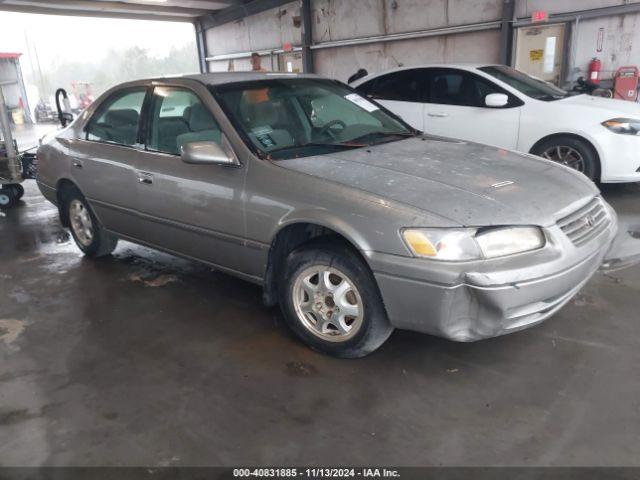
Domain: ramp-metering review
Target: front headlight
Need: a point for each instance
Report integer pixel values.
(459, 244)
(624, 126)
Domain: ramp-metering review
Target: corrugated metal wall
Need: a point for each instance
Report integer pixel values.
(347, 19)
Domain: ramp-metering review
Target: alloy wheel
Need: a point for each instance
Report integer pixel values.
(327, 303)
(81, 223)
(567, 156)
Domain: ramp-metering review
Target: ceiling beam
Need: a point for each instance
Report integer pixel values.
(232, 14)
(627, 8)
(110, 9)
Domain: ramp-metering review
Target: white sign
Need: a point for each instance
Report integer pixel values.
(549, 55)
(361, 102)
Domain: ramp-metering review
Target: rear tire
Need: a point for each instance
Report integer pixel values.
(89, 235)
(571, 152)
(18, 190)
(340, 313)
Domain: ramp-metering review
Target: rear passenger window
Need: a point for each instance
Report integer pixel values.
(116, 120)
(403, 86)
(178, 117)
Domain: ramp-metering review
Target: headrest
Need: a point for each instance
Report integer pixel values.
(201, 119)
(260, 114)
(186, 114)
(125, 116)
(442, 86)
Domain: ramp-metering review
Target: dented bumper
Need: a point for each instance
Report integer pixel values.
(474, 300)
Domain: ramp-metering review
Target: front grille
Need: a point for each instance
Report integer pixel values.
(586, 223)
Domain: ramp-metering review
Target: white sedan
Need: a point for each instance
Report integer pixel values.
(501, 106)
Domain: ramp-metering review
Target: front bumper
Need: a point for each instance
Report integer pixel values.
(619, 157)
(475, 300)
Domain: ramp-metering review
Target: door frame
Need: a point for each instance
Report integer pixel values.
(566, 64)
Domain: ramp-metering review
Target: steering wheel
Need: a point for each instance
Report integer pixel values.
(328, 125)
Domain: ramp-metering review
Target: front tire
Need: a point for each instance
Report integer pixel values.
(89, 235)
(331, 301)
(571, 152)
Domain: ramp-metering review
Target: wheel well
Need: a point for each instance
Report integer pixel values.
(63, 187)
(288, 239)
(575, 137)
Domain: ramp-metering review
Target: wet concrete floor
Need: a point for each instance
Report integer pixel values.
(144, 359)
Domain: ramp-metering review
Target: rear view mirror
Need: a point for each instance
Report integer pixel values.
(496, 100)
(206, 153)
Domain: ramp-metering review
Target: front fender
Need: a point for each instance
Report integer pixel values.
(326, 219)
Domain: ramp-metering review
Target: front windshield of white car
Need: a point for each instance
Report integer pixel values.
(297, 117)
(530, 86)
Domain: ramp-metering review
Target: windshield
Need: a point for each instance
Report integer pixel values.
(296, 117)
(530, 86)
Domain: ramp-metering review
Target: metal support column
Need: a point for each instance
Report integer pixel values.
(11, 166)
(202, 49)
(307, 37)
(506, 31)
(6, 128)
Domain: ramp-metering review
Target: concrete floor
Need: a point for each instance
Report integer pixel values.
(145, 359)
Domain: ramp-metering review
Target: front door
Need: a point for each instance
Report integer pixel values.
(456, 108)
(193, 210)
(539, 51)
(103, 164)
(401, 92)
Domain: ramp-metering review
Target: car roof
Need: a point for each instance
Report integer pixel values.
(221, 78)
(461, 66)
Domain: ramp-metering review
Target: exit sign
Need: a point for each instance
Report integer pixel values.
(540, 16)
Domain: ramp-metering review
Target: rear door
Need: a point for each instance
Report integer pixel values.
(192, 210)
(402, 92)
(104, 161)
(456, 108)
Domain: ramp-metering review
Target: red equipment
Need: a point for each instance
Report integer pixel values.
(595, 68)
(625, 83)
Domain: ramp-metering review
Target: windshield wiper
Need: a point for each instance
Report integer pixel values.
(383, 134)
(548, 98)
(349, 144)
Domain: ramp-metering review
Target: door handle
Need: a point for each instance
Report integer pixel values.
(438, 114)
(76, 164)
(145, 178)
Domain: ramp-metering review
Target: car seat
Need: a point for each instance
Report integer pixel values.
(202, 126)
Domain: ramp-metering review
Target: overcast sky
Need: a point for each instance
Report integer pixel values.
(82, 38)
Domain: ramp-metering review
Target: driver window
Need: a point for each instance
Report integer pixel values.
(178, 116)
(116, 121)
(453, 87)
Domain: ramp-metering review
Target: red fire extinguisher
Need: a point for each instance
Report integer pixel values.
(595, 67)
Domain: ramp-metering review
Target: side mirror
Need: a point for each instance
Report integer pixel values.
(496, 100)
(206, 153)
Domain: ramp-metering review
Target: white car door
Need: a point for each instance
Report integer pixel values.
(402, 92)
(456, 107)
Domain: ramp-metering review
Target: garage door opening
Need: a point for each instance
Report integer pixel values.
(86, 56)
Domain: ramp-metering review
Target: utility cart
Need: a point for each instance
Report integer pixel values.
(14, 167)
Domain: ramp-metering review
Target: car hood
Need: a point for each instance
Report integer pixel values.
(607, 107)
(467, 183)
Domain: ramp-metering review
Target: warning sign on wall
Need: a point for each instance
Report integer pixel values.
(536, 55)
